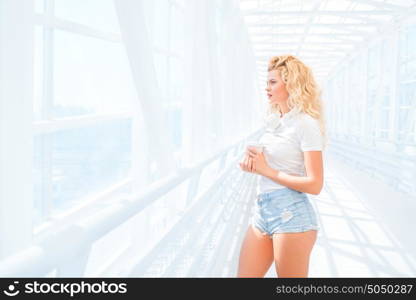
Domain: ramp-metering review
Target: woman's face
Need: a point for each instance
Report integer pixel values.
(276, 89)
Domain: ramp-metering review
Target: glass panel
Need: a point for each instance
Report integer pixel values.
(160, 24)
(371, 99)
(386, 97)
(177, 31)
(176, 79)
(408, 94)
(90, 76)
(411, 41)
(82, 162)
(404, 122)
(174, 117)
(383, 134)
(99, 14)
(161, 68)
(402, 46)
(374, 65)
(387, 57)
(410, 70)
(384, 119)
(39, 6)
(40, 179)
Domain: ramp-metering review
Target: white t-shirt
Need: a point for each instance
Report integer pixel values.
(284, 140)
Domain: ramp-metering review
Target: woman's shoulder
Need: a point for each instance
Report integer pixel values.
(306, 122)
(306, 119)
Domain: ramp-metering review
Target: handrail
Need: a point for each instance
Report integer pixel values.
(187, 221)
(58, 248)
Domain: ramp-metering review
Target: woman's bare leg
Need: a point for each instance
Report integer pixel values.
(256, 254)
(292, 252)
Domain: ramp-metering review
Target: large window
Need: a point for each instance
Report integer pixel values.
(407, 91)
(90, 74)
(98, 14)
(374, 94)
(356, 96)
(376, 89)
(83, 95)
(374, 81)
(166, 23)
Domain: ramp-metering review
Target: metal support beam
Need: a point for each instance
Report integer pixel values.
(16, 111)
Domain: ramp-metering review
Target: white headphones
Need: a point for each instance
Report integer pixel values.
(272, 122)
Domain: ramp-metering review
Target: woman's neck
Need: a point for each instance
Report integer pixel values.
(283, 109)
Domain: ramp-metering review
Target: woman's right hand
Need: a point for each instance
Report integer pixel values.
(247, 164)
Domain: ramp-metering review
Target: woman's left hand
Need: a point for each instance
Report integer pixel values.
(259, 164)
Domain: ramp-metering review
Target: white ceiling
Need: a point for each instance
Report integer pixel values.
(320, 32)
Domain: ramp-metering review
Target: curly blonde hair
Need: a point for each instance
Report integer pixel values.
(304, 92)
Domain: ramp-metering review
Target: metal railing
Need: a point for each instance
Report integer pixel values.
(68, 249)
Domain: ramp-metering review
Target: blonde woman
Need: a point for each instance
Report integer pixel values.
(284, 224)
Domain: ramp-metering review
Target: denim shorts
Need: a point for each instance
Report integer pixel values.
(283, 210)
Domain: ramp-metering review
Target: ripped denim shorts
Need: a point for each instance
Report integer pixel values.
(283, 210)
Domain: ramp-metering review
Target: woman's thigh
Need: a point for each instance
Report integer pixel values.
(256, 254)
(292, 251)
